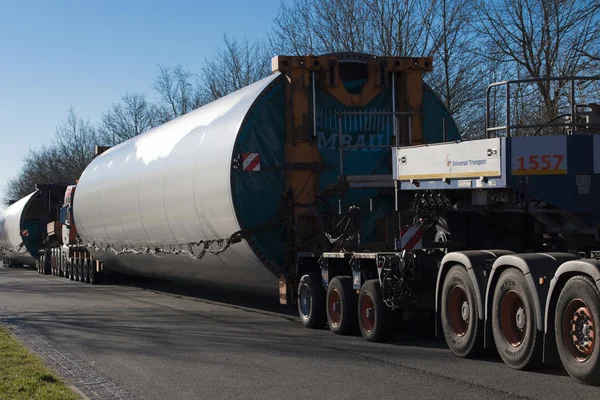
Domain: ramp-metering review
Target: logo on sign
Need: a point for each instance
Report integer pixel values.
(465, 163)
(332, 141)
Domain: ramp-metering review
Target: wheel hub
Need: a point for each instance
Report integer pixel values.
(464, 311)
(582, 331)
(336, 306)
(305, 300)
(335, 309)
(367, 313)
(458, 310)
(520, 319)
(513, 319)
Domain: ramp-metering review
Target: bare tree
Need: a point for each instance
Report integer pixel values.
(437, 28)
(178, 92)
(459, 77)
(235, 65)
(381, 27)
(407, 28)
(74, 141)
(130, 117)
(39, 166)
(541, 38)
(293, 29)
(64, 160)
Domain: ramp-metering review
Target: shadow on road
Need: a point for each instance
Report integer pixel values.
(421, 338)
(208, 292)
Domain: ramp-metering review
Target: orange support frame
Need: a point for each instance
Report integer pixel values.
(303, 160)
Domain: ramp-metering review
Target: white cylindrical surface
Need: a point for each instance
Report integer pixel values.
(169, 187)
(11, 231)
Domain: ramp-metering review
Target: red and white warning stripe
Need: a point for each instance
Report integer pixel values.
(25, 233)
(411, 237)
(251, 162)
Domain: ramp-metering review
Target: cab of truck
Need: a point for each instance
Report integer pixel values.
(69, 230)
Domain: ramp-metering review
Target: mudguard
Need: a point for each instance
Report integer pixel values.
(475, 261)
(533, 266)
(589, 267)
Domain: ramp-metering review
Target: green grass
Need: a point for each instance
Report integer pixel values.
(24, 376)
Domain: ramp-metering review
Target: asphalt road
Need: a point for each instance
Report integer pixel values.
(172, 344)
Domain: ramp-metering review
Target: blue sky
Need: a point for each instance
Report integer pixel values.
(54, 54)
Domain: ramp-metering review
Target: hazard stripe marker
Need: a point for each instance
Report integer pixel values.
(251, 162)
(411, 238)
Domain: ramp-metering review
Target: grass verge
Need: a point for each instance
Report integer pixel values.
(24, 376)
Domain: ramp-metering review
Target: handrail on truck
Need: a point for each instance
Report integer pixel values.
(507, 127)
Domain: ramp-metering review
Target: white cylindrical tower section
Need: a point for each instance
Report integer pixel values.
(169, 187)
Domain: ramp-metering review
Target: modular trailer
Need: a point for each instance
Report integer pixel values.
(342, 180)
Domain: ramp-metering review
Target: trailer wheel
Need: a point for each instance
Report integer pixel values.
(47, 265)
(70, 269)
(86, 270)
(93, 274)
(63, 266)
(81, 268)
(462, 328)
(79, 272)
(311, 302)
(342, 306)
(374, 316)
(576, 324)
(514, 325)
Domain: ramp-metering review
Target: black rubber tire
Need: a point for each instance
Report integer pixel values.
(381, 330)
(81, 265)
(76, 270)
(528, 354)
(47, 269)
(70, 269)
(469, 343)
(348, 299)
(86, 270)
(62, 266)
(579, 287)
(93, 275)
(78, 274)
(313, 315)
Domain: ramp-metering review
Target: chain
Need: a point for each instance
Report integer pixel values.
(213, 246)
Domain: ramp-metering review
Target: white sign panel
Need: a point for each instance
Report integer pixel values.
(539, 155)
(472, 159)
(597, 154)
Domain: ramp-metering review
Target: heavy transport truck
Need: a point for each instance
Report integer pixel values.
(340, 184)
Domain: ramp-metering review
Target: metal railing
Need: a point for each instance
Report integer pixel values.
(508, 126)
